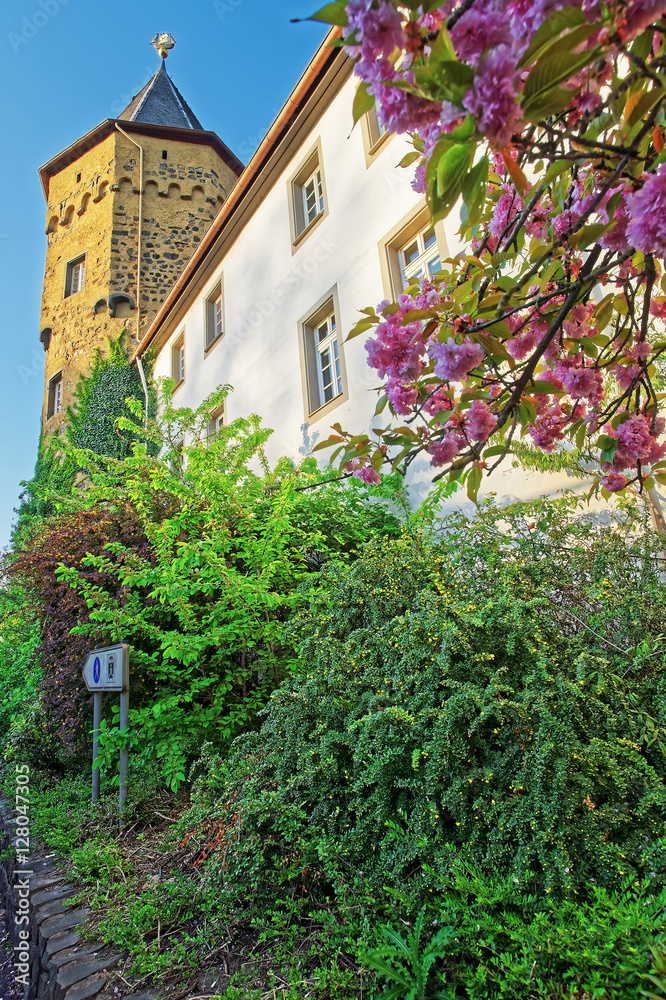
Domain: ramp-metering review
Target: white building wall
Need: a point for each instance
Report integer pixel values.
(267, 289)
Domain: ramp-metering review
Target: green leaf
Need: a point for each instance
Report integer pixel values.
(539, 388)
(409, 158)
(359, 328)
(331, 13)
(547, 73)
(589, 234)
(396, 973)
(363, 102)
(451, 169)
(552, 28)
(474, 190)
(473, 483)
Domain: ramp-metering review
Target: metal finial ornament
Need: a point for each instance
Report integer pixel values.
(162, 43)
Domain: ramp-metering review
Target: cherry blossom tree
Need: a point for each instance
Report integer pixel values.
(543, 122)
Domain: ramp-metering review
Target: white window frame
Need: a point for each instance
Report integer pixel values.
(374, 135)
(214, 317)
(310, 174)
(327, 356)
(322, 357)
(314, 183)
(75, 275)
(178, 360)
(396, 272)
(217, 421)
(427, 251)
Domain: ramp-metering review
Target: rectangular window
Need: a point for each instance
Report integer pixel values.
(75, 277)
(327, 352)
(420, 258)
(54, 404)
(213, 320)
(322, 357)
(373, 135)
(313, 197)
(178, 360)
(412, 251)
(307, 196)
(216, 421)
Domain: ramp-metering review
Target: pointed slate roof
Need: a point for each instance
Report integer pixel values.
(161, 103)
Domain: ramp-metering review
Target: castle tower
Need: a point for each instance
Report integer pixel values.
(127, 205)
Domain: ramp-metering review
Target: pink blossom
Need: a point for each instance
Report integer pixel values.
(453, 361)
(368, 475)
(361, 469)
(445, 451)
(437, 402)
(614, 482)
(636, 442)
(591, 9)
(583, 383)
(616, 238)
(401, 111)
(434, 20)
(378, 29)
(401, 397)
(480, 421)
(430, 295)
(492, 98)
(419, 179)
(520, 347)
(625, 376)
(640, 13)
(641, 350)
(547, 428)
(481, 27)
(646, 207)
(578, 322)
(396, 350)
(506, 209)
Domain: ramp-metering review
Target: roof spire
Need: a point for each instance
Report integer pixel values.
(160, 102)
(162, 43)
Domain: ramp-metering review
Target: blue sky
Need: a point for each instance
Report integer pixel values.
(68, 64)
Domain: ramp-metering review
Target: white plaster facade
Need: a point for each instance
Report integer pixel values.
(270, 286)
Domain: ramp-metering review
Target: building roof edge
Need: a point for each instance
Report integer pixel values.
(315, 68)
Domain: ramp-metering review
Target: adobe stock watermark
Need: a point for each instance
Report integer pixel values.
(124, 100)
(31, 25)
(22, 875)
(26, 372)
(224, 7)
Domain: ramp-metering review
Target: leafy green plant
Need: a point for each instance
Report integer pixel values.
(205, 597)
(657, 975)
(409, 964)
(475, 726)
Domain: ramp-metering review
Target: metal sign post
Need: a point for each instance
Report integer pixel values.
(107, 669)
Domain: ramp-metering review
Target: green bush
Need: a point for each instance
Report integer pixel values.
(449, 711)
(20, 675)
(204, 599)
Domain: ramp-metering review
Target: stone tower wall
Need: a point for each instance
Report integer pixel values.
(93, 209)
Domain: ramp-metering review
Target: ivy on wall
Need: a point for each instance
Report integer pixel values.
(99, 399)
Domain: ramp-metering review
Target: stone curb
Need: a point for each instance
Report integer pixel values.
(52, 960)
